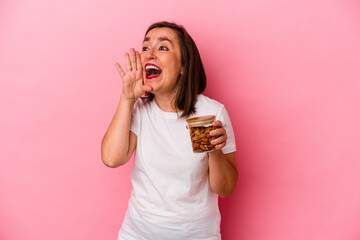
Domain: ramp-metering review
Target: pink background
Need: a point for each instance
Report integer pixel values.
(287, 71)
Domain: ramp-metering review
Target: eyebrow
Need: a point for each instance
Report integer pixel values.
(160, 39)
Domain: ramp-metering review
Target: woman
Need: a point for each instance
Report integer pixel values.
(175, 191)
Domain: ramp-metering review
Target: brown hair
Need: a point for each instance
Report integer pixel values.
(193, 80)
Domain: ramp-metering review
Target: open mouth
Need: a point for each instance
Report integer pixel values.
(152, 71)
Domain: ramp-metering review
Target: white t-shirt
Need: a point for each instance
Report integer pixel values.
(171, 196)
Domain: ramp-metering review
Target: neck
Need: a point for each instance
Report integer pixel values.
(166, 104)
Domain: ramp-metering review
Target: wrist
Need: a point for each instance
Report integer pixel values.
(127, 100)
(216, 153)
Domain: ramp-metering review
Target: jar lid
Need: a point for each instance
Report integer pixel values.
(200, 120)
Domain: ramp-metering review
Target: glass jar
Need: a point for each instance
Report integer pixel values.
(200, 128)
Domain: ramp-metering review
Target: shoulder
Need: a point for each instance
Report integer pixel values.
(203, 100)
(141, 104)
(140, 109)
(208, 106)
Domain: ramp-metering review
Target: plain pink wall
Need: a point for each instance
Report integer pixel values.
(287, 71)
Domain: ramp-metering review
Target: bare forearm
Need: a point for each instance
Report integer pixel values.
(222, 172)
(115, 144)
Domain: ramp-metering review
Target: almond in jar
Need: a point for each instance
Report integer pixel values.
(200, 128)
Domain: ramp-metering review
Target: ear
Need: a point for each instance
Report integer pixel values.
(182, 71)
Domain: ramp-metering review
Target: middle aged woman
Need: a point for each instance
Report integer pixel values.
(175, 191)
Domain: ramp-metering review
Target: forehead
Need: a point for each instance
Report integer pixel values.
(162, 33)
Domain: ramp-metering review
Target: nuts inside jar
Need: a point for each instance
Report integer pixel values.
(200, 138)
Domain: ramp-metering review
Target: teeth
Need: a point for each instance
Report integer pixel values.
(151, 67)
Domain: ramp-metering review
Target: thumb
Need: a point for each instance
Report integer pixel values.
(146, 88)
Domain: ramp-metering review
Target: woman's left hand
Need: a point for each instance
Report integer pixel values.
(220, 135)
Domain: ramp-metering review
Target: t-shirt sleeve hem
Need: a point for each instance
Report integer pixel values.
(230, 149)
(133, 131)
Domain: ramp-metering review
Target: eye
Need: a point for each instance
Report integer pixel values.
(145, 49)
(163, 48)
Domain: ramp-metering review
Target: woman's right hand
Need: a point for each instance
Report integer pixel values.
(133, 79)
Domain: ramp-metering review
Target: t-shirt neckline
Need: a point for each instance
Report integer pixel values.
(168, 115)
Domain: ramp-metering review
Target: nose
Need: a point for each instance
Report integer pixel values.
(149, 54)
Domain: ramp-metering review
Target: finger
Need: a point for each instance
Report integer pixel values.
(220, 146)
(139, 73)
(218, 132)
(219, 140)
(138, 62)
(217, 123)
(127, 62)
(133, 59)
(118, 67)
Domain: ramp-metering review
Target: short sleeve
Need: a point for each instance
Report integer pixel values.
(223, 116)
(135, 119)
